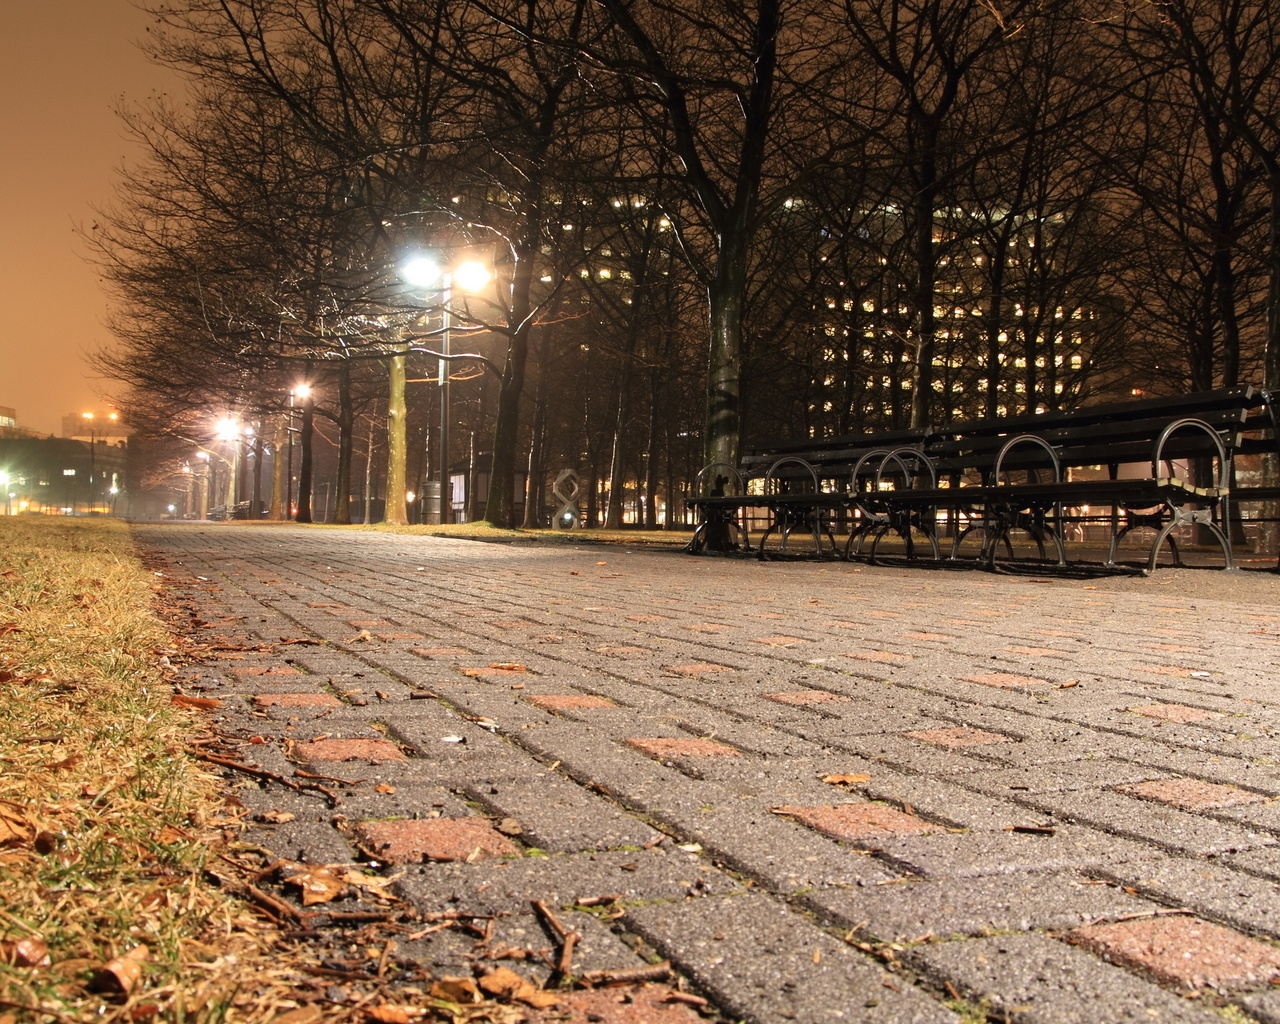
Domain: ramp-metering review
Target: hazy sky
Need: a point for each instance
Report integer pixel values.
(64, 66)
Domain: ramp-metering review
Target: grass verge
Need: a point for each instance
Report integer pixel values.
(105, 822)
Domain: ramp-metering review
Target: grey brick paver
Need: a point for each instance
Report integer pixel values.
(764, 962)
(911, 909)
(1033, 979)
(753, 910)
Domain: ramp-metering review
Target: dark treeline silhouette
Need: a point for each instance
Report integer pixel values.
(705, 222)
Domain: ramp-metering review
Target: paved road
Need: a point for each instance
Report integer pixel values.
(822, 791)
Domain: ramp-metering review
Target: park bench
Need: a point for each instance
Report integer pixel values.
(1036, 475)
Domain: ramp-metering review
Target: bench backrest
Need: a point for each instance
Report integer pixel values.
(1228, 421)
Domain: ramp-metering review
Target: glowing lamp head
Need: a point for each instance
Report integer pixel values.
(471, 276)
(420, 271)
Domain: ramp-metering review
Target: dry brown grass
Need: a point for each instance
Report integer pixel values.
(119, 862)
(105, 821)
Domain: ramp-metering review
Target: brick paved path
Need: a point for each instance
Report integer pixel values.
(823, 791)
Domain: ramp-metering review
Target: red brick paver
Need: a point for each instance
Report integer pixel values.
(349, 750)
(960, 736)
(778, 641)
(562, 701)
(1004, 680)
(297, 700)
(692, 747)
(880, 657)
(802, 697)
(855, 822)
(1190, 794)
(411, 842)
(628, 1004)
(497, 670)
(1183, 950)
(1174, 712)
(263, 670)
(439, 652)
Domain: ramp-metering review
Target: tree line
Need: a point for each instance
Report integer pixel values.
(707, 222)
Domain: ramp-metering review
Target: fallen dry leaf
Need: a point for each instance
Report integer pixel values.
(318, 885)
(456, 990)
(309, 1014)
(375, 884)
(202, 703)
(394, 1014)
(506, 984)
(14, 828)
(27, 952)
(384, 787)
(119, 976)
(846, 780)
(274, 817)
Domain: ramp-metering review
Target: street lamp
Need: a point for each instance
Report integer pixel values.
(89, 418)
(228, 432)
(471, 276)
(301, 391)
(202, 510)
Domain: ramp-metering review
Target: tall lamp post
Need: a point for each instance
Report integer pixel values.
(423, 272)
(229, 434)
(89, 419)
(302, 391)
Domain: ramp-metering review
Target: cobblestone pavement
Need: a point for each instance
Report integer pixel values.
(822, 791)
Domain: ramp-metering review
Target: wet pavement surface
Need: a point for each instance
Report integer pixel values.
(822, 791)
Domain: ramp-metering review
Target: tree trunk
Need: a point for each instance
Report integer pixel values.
(346, 426)
(395, 512)
(727, 296)
(368, 477)
(1269, 529)
(500, 503)
(256, 512)
(650, 510)
(534, 480)
(926, 271)
(618, 455)
(279, 470)
(306, 434)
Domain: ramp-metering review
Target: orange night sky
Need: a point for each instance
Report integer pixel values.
(64, 67)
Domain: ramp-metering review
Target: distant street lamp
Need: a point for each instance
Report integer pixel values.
(228, 432)
(88, 417)
(471, 276)
(302, 391)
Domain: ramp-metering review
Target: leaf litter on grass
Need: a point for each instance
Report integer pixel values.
(128, 896)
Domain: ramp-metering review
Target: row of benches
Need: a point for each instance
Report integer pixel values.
(1169, 463)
